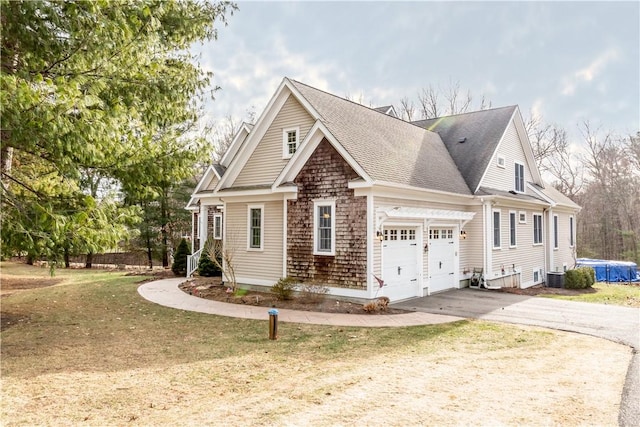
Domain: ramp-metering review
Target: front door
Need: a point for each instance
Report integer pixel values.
(441, 259)
(400, 263)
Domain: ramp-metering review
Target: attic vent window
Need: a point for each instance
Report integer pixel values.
(462, 140)
(500, 161)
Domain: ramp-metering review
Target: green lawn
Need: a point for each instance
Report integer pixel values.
(87, 349)
(627, 295)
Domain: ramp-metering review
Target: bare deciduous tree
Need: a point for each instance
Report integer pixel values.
(553, 155)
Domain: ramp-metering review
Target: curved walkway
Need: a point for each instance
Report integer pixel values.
(166, 292)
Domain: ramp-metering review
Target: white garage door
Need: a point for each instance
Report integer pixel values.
(441, 259)
(399, 263)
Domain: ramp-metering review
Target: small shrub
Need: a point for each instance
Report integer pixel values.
(590, 276)
(579, 278)
(314, 292)
(179, 266)
(283, 288)
(206, 267)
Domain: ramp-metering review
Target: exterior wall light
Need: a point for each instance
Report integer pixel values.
(463, 234)
(379, 235)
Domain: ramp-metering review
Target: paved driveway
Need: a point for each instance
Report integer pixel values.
(614, 323)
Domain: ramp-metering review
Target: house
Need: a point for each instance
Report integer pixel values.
(327, 190)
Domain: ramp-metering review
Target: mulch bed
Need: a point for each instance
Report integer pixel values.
(213, 289)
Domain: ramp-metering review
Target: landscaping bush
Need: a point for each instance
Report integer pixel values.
(179, 266)
(206, 267)
(590, 274)
(283, 288)
(579, 278)
(314, 292)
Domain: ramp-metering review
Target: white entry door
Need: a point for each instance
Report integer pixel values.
(399, 263)
(441, 259)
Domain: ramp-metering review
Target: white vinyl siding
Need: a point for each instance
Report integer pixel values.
(212, 184)
(265, 265)
(524, 258)
(565, 252)
(266, 162)
(510, 148)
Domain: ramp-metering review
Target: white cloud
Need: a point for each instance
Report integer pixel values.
(537, 110)
(590, 72)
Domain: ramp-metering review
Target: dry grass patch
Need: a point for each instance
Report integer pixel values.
(94, 353)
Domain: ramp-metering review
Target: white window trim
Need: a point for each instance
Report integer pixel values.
(521, 215)
(556, 232)
(515, 229)
(316, 205)
(196, 218)
(533, 220)
(285, 142)
(217, 236)
(572, 231)
(540, 275)
(261, 207)
(501, 161)
(493, 227)
(524, 186)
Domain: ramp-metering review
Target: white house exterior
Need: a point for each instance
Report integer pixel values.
(326, 190)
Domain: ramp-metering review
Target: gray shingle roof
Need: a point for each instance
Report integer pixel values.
(387, 148)
(482, 130)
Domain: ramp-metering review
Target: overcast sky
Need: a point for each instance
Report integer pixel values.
(567, 61)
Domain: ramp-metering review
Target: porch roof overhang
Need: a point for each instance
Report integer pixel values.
(425, 214)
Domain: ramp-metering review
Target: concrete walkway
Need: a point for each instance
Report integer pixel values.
(166, 292)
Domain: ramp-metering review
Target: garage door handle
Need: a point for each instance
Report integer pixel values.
(399, 270)
(440, 264)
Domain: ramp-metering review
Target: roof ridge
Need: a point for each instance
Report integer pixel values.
(350, 101)
(467, 113)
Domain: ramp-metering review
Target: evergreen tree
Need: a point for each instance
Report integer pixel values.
(179, 266)
(86, 87)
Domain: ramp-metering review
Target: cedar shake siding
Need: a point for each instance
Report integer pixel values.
(326, 176)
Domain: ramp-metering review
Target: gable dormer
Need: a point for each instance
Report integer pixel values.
(512, 165)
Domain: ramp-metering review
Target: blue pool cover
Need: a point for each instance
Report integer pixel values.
(611, 271)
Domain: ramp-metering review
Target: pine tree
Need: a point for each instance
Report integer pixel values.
(207, 268)
(179, 266)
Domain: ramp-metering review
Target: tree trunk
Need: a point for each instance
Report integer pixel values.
(149, 252)
(67, 261)
(163, 216)
(89, 260)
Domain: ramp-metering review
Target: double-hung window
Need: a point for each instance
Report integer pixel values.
(519, 177)
(512, 230)
(537, 229)
(571, 232)
(496, 229)
(324, 227)
(290, 141)
(255, 227)
(555, 231)
(217, 226)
